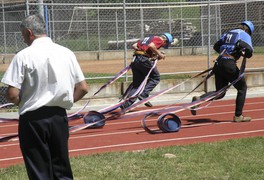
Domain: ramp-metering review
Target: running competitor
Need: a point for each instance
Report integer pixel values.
(145, 50)
(234, 44)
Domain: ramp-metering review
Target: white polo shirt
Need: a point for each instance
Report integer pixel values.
(45, 73)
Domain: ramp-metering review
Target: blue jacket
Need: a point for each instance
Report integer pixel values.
(234, 42)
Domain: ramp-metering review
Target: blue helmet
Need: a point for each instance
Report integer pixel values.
(250, 26)
(169, 38)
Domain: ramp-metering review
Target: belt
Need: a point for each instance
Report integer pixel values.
(224, 57)
(45, 111)
(143, 53)
(228, 56)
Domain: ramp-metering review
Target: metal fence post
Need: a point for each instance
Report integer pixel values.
(125, 37)
(40, 7)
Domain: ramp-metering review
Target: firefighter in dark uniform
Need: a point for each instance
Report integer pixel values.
(146, 49)
(232, 45)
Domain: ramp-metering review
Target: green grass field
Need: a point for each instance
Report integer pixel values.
(240, 159)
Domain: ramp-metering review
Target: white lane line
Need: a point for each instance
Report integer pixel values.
(167, 140)
(151, 142)
(7, 145)
(136, 131)
(10, 159)
(182, 117)
(216, 106)
(129, 122)
(9, 125)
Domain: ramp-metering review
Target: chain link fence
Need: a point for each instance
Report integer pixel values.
(107, 26)
(112, 26)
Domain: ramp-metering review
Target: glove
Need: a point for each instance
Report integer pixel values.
(243, 49)
(238, 50)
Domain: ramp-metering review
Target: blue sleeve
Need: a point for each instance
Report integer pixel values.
(243, 46)
(244, 43)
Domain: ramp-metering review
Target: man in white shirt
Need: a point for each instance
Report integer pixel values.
(44, 80)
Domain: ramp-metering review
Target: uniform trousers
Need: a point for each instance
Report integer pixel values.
(226, 71)
(140, 68)
(43, 137)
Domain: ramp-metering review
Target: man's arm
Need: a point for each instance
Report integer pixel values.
(243, 46)
(12, 95)
(217, 45)
(154, 49)
(80, 90)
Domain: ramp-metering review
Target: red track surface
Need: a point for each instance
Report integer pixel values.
(213, 123)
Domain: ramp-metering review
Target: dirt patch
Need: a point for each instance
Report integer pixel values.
(169, 65)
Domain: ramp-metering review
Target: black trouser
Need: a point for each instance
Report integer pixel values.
(43, 136)
(226, 71)
(140, 68)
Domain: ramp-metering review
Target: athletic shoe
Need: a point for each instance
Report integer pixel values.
(193, 111)
(241, 118)
(148, 104)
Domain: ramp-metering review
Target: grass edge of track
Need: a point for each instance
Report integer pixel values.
(230, 159)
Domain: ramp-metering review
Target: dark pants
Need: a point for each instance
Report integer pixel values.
(226, 71)
(43, 136)
(140, 68)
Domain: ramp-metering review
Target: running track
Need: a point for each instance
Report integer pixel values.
(213, 123)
